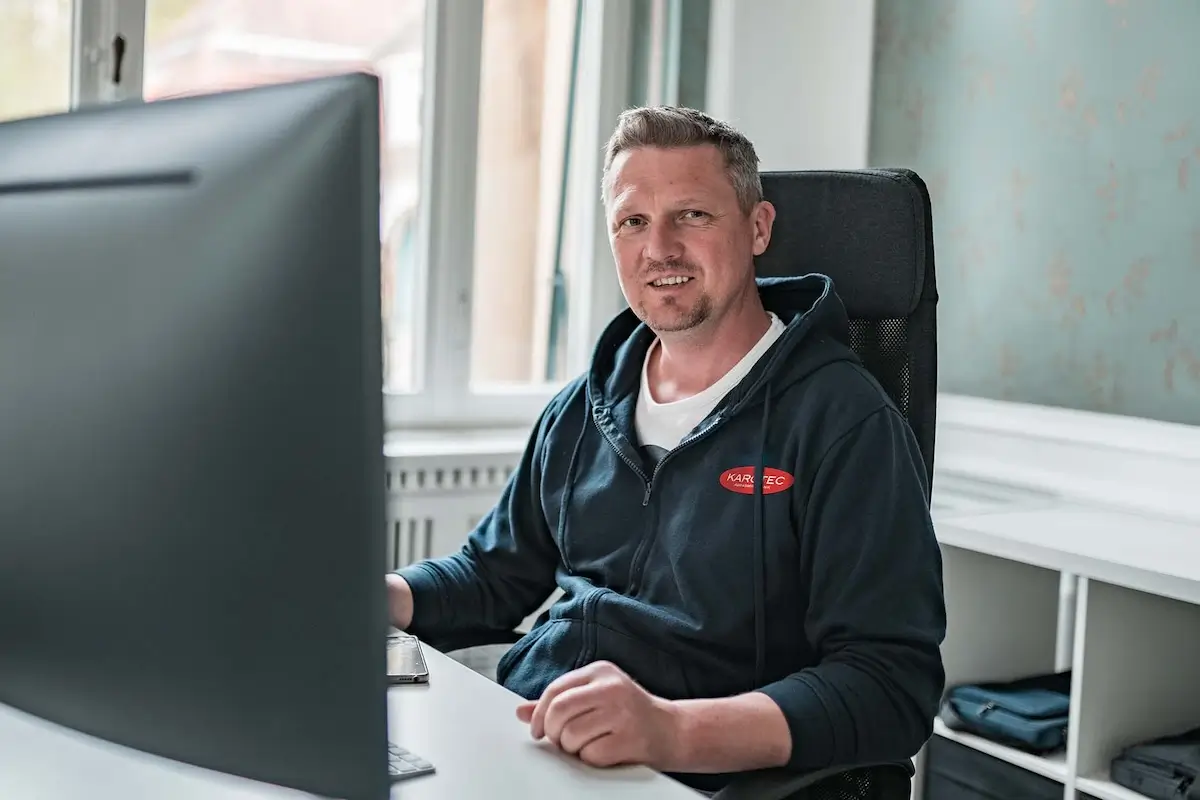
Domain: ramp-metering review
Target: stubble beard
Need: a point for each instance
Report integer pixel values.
(671, 317)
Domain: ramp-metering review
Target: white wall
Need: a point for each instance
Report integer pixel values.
(795, 76)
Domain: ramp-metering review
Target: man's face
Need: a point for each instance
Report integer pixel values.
(683, 247)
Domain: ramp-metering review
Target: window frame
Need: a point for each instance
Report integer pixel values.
(443, 396)
(94, 25)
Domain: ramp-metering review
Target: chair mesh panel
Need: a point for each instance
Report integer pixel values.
(883, 347)
(847, 786)
(875, 783)
(901, 353)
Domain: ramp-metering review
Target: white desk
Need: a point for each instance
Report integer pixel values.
(468, 727)
(463, 723)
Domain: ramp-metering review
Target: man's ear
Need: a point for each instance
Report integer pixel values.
(763, 217)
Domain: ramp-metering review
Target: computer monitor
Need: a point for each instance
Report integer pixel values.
(192, 534)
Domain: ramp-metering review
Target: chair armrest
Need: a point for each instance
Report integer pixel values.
(772, 784)
(782, 784)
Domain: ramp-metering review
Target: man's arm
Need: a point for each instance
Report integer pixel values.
(876, 611)
(503, 572)
(729, 734)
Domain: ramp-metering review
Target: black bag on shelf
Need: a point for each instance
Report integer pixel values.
(1029, 714)
(954, 771)
(1167, 768)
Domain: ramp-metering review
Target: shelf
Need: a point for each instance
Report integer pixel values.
(1103, 789)
(1155, 555)
(956, 495)
(1053, 766)
(1137, 657)
(1002, 617)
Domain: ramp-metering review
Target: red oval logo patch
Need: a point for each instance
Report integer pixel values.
(741, 480)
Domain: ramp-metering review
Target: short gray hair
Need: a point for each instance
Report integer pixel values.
(672, 126)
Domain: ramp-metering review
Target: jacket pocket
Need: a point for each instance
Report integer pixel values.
(543, 654)
(514, 653)
(655, 670)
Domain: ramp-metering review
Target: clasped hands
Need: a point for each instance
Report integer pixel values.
(604, 717)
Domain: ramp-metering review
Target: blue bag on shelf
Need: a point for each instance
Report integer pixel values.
(1029, 714)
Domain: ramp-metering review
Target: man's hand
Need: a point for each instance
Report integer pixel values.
(400, 601)
(601, 715)
(605, 718)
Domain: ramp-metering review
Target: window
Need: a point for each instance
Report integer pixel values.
(496, 271)
(35, 57)
(519, 303)
(519, 276)
(195, 46)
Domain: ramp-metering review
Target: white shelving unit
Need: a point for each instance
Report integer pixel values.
(1133, 637)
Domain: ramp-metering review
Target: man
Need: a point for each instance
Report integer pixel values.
(733, 508)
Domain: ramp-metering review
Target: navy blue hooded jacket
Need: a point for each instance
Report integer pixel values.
(819, 586)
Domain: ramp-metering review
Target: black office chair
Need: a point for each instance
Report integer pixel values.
(871, 231)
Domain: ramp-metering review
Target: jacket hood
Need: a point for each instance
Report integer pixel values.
(817, 333)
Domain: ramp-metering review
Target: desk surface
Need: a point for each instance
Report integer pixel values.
(462, 722)
(468, 727)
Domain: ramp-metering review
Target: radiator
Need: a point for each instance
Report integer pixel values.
(435, 500)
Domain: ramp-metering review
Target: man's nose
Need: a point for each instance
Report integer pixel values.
(663, 242)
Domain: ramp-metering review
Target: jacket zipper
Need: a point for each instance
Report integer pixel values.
(641, 555)
(633, 465)
(649, 480)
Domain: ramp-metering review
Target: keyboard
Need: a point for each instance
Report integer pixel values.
(404, 764)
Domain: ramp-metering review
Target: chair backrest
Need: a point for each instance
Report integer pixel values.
(871, 231)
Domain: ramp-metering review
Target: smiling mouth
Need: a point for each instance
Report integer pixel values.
(671, 280)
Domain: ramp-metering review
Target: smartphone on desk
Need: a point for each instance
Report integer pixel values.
(405, 660)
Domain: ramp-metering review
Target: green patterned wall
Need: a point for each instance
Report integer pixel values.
(1061, 143)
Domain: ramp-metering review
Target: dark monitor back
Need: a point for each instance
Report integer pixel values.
(192, 538)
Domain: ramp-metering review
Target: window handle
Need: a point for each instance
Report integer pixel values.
(118, 61)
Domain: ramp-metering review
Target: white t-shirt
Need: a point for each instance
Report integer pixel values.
(661, 426)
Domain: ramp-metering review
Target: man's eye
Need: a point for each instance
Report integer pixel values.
(631, 222)
(694, 214)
